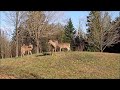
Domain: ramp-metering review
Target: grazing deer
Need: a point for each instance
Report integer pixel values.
(64, 45)
(55, 44)
(25, 48)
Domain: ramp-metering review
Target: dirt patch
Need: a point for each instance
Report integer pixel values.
(3, 76)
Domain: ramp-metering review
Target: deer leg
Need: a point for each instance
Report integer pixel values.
(60, 49)
(30, 53)
(68, 49)
(55, 49)
(52, 50)
(24, 53)
(21, 54)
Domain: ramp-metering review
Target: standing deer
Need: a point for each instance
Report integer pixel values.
(64, 45)
(55, 44)
(27, 49)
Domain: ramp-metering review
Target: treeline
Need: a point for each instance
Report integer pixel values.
(37, 27)
(102, 32)
(5, 45)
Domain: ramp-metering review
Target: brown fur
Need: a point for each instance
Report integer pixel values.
(25, 48)
(64, 45)
(55, 44)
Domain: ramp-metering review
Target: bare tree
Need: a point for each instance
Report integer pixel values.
(4, 45)
(109, 34)
(15, 18)
(103, 32)
(39, 24)
(80, 32)
(1, 45)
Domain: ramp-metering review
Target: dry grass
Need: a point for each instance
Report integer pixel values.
(64, 65)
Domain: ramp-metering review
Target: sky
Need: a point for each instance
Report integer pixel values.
(4, 26)
(76, 16)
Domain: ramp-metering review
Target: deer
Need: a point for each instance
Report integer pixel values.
(55, 44)
(64, 45)
(26, 48)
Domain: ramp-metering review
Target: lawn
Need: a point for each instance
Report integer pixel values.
(63, 65)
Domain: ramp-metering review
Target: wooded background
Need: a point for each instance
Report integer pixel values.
(37, 27)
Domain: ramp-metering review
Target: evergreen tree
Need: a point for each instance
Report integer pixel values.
(93, 29)
(69, 31)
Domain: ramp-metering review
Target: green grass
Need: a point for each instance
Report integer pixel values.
(64, 65)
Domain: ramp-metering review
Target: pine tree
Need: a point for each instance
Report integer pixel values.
(69, 31)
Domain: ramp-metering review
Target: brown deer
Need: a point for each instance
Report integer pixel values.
(64, 45)
(27, 49)
(55, 44)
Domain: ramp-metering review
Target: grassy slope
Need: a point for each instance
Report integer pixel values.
(64, 65)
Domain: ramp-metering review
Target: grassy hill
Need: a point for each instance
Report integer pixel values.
(64, 65)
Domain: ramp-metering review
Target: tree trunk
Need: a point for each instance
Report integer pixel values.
(101, 50)
(37, 46)
(2, 46)
(16, 46)
(17, 13)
